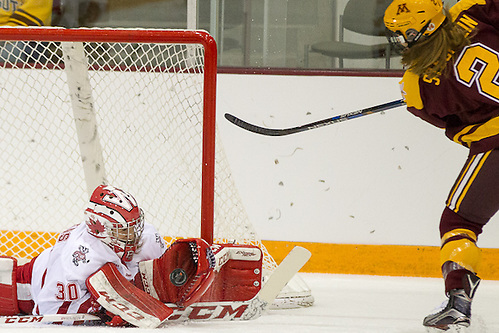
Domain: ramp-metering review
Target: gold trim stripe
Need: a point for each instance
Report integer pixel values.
(386, 260)
(477, 132)
(462, 186)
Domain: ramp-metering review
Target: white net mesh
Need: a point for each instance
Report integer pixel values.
(148, 104)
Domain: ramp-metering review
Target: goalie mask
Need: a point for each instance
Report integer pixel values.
(114, 217)
(408, 21)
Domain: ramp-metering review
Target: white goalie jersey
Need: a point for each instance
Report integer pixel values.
(59, 273)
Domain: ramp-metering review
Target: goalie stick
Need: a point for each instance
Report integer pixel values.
(43, 319)
(243, 310)
(317, 124)
(291, 264)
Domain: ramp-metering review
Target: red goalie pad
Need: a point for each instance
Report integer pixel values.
(120, 297)
(182, 274)
(238, 273)
(8, 286)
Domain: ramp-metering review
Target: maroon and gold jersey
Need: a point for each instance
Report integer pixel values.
(465, 102)
(26, 12)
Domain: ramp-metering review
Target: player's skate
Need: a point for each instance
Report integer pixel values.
(454, 315)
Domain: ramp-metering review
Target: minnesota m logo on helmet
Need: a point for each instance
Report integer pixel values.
(409, 20)
(402, 8)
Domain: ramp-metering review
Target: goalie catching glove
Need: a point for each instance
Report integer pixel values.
(188, 265)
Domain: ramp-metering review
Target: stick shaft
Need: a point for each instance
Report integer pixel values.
(291, 264)
(33, 319)
(321, 123)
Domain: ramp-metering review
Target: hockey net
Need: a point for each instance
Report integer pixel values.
(134, 108)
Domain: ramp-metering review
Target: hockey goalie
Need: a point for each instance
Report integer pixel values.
(117, 267)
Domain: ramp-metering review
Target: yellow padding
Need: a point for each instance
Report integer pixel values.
(463, 252)
(409, 86)
(331, 258)
(457, 232)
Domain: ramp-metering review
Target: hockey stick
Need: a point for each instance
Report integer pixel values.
(33, 319)
(232, 310)
(293, 262)
(321, 123)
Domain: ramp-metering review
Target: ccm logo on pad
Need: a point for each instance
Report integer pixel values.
(120, 306)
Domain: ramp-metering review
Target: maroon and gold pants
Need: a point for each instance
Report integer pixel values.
(472, 201)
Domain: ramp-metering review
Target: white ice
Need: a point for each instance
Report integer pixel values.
(343, 304)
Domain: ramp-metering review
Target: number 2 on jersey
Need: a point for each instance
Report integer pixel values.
(479, 64)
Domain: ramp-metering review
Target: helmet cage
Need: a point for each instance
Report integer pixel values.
(401, 42)
(127, 239)
(407, 21)
(124, 240)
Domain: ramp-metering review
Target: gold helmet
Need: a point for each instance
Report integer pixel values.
(409, 20)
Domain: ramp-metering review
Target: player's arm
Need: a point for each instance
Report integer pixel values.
(409, 87)
(32, 13)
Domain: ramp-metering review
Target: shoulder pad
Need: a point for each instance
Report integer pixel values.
(409, 87)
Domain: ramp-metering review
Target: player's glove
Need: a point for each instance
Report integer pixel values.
(182, 274)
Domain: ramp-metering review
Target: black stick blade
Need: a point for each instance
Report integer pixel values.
(257, 129)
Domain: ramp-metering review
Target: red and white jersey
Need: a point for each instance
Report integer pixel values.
(60, 272)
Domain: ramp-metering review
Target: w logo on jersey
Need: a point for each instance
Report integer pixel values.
(80, 255)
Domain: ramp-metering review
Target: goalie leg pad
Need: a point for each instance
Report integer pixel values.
(8, 286)
(120, 297)
(23, 277)
(182, 274)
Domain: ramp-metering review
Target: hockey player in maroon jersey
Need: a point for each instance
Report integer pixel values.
(451, 58)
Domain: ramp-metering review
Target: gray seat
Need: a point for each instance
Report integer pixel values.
(363, 17)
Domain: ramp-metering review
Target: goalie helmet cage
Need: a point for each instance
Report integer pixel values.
(134, 108)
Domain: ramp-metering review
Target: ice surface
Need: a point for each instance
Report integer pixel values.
(344, 304)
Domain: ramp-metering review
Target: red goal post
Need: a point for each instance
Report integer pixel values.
(45, 40)
(134, 108)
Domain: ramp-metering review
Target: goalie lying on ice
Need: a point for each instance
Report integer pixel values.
(117, 266)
